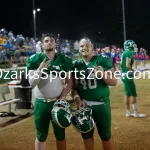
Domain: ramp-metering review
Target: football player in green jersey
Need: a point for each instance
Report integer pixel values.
(47, 91)
(127, 61)
(91, 88)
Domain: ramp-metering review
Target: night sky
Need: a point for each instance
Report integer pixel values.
(101, 20)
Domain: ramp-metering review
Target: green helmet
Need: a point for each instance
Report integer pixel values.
(82, 120)
(130, 45)
(61, 113)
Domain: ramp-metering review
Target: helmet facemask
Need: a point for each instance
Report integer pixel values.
(82, 120)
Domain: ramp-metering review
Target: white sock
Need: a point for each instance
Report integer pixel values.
(134, 106)
(128, 111)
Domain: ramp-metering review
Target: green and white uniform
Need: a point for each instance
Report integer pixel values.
(95, 93)
(44, 90)
(127, 77)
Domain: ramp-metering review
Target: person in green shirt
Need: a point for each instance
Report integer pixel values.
(48, 90)
(91, 88)
(127, 61)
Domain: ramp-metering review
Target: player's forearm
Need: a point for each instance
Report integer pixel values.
(74, 92)
(34, 77)
(109, 80)
(129, 67)
(67, 88)
(128, 62)
(75, 96)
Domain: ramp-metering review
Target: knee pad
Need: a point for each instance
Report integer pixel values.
(60, 136)
(41, 136)
(105, 134)
(88, 135)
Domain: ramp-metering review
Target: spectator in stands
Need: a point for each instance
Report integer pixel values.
(10, 35)
(9, 44)
(24, 52)
(32, 43)
(3, 31)
(38, 47)
(2, 40)
(17, 39)
(1, 55)
(18, 57)
(5, 56)
(67, 50)
(21, 41)
(14, 45)
(66, 43)
(76, 45)
(27, 41)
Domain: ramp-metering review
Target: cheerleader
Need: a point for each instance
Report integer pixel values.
(141, 58)
(113, 58)
(98, 51)
(107, 51)
(136, 57)
(118, 59)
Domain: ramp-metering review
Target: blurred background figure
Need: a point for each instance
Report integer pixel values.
(58, 49)
(107, 51)
(76, 45)
(38, 47)
(118, 59)
(98, 51)
(136, 57)
(141, 58)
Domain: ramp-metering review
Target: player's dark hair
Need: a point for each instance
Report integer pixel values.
(49, 35)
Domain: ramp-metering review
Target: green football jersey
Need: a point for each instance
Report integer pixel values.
(92, 89)
(126, 54)
(61, 62)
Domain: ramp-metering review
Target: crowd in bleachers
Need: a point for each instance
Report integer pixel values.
(15, 49)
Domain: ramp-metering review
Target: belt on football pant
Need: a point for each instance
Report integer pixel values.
(91, 103)
(46, 99)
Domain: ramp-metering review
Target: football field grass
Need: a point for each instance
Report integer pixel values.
(128, 133)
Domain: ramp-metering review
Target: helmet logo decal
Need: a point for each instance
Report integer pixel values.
(82, 119)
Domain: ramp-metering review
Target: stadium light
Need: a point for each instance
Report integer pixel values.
(34, 18)
(124, 22)
(38, 9)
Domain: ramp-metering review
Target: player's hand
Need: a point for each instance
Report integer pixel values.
(80, 103)
(99, 71)
(63, 98)
(44, 64)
